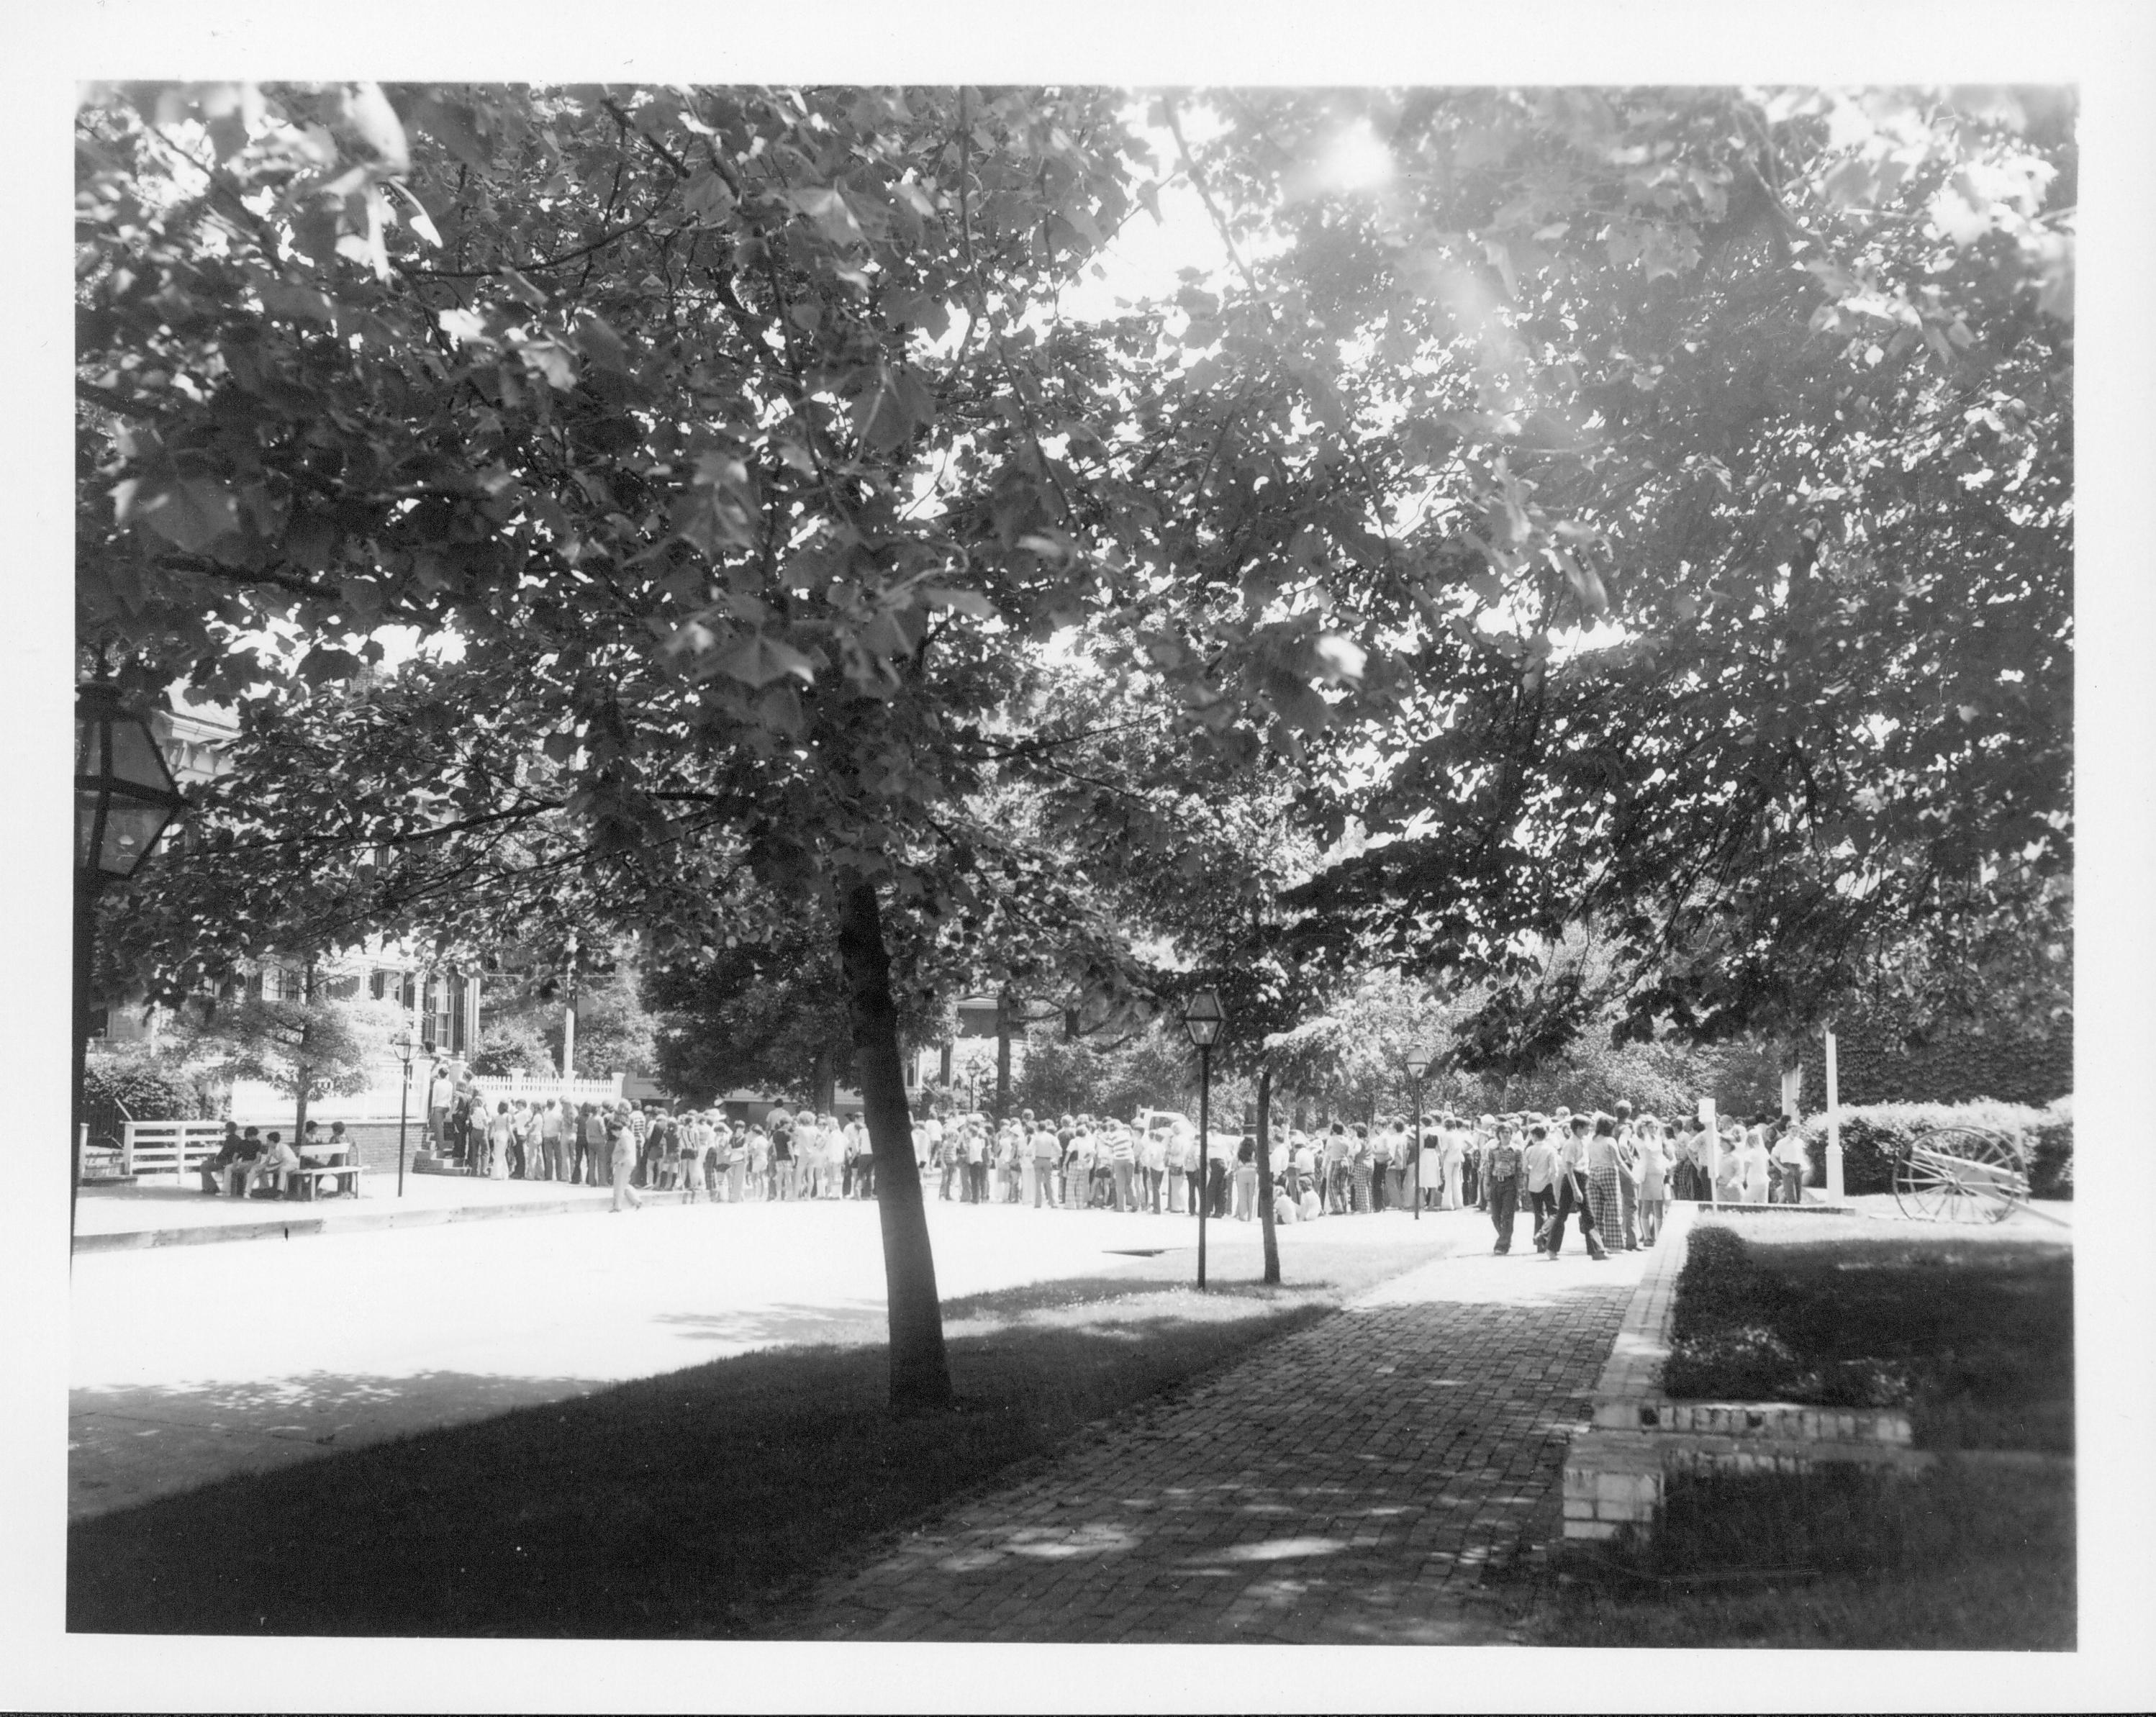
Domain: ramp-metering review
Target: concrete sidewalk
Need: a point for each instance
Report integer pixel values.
(1350, 1485)
(160, 1213)
(192, 1362)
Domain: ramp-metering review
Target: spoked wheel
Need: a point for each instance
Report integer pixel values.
(1961, 1175)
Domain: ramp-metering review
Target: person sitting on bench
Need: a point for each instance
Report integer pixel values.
(213, 1168)
(273, 1161)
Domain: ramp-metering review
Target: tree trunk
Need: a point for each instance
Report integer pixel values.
(301, 1074)
(920, 1368)
(823, 1082)
(1002, 1054)
(1266, 1171)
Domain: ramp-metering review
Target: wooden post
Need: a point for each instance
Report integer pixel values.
(1833, 1187)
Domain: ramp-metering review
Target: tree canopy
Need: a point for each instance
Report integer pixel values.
(1641, 510)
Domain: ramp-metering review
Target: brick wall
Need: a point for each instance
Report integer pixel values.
(376, 1143)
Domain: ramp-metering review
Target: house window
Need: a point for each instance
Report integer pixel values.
(377, 983)
(454, 1024)
(429, 1032)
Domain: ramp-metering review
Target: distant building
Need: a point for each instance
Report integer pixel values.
(442, 999)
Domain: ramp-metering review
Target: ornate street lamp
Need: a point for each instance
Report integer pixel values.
(125, 797)
(1203, 1019)
(406, 1047)
(1418, 1065)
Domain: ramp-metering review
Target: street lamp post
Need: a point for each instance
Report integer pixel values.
(1418, 1065)
(406, 1047)
(125, 796)
(1203, 1019)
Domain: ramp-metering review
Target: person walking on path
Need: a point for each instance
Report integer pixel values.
(623, 1147)
(1338, 1178)
(1605, 1176)
(1502, 1188)
(1540, 1162)
(1572, 1195)
(1628, 1170)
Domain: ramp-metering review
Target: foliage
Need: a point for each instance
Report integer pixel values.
(769, 1015)
(1874, 1136)
(2051, 1157)
(1744, 1363)
(1975, 1339)
(1996, 1055)
(331, 1046)
(1967, 1557)
(1731, 614)
(509, 1047)
(147, 1084)
(1153, 1068)
(614, 1032)
(732, 438)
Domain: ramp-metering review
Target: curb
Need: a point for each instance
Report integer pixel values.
(358, 1222)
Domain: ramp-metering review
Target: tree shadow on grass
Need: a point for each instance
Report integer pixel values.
(696, 1504)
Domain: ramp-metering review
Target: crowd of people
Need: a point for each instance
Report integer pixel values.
(1611, 1174)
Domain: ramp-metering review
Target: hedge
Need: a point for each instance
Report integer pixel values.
(1873, 1135)
(145, 1088)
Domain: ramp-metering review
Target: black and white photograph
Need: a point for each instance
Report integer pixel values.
(888, 845)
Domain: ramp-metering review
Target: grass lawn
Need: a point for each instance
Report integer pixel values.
(1972, 1330)
(704, 1502)
(1977, 1554)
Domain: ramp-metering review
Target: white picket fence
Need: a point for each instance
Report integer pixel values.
(538, 1087)
(168, 1147)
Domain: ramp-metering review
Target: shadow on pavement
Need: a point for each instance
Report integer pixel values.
(694, 1504)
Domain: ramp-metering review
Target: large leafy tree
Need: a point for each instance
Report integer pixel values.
(723, 428)
(1731, 614)
(1547, 509)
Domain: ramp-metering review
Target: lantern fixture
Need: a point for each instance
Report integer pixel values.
(1203, 1019)
(125, 796)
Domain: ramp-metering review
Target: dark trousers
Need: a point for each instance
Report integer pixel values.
(1504, 1203)
(1572, 1197)
(1196, 1177)
(1219, 1190)
(977, 1183)
(1542, 1206)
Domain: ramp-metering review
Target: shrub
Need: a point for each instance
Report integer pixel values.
(1745, 1364)
(2051, 1160)
(146, 1085)
(1873, 1135)
(508, 1046)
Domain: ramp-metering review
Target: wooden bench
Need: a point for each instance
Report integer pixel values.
(306, 1181)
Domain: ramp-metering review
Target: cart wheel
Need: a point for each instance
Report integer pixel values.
(1961, 1175)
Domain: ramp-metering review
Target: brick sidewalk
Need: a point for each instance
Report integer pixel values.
(1350, 1485)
